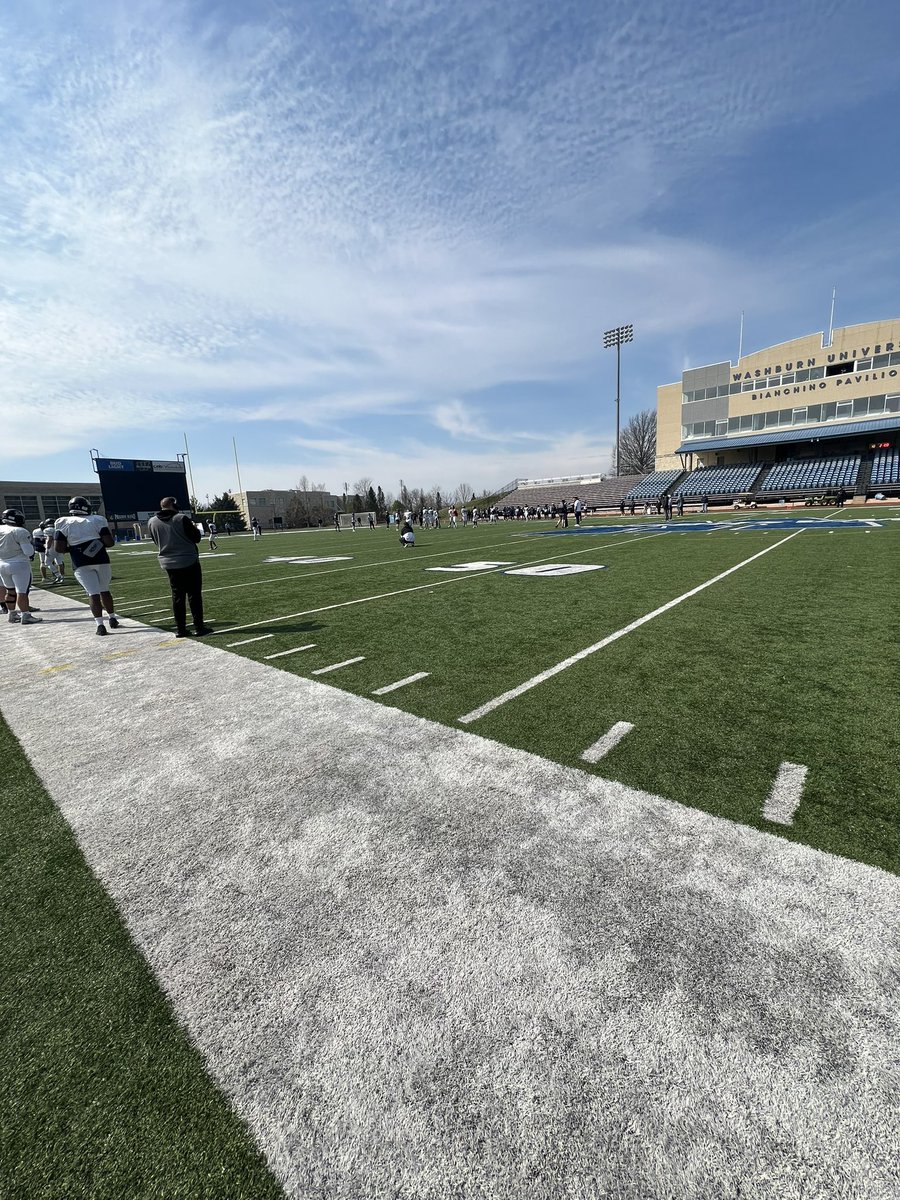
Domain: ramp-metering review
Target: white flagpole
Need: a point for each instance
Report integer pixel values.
(831, 318)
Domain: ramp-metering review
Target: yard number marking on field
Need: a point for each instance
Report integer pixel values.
(555, 570)
(296, 650)
(246, 642)
(787, 791)
(337, 666)
(392, 687)
(471, 566)
(610, 739)
(515, 692)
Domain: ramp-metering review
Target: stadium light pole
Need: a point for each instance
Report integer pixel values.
(618, 337)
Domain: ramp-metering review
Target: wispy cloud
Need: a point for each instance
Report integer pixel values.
(316, 215)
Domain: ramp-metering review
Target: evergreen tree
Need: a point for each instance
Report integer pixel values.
(380, 505)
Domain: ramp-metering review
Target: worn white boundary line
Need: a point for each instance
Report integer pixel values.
(295, 650)
(221, 907)
(603, 745)
(348, 662)
(786, 794)
(515, 692)
(246, 641)
(392, 687)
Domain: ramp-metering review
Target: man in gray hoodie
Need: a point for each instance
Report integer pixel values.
(177, 538)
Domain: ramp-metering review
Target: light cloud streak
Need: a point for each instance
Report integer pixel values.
(321, 218)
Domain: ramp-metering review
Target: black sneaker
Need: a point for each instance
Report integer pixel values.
(182, 633)
(113, 623)
(101, 631)
(202, 631)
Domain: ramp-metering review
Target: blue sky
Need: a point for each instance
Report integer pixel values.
(383, 239)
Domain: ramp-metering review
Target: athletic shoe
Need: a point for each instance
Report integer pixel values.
(202, 631)
(182, 633)
(101, 631)
(28, 619)
(113, 623)
(14, 618)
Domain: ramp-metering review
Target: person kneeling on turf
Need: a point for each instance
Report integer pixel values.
(407, 535)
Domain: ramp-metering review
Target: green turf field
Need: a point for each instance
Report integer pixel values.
(791, 658)
(730, 649)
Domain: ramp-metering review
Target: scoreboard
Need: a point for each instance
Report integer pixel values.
(133, 487)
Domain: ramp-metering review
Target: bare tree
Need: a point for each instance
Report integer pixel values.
(362, 486)
(637, 444)
(463, 495)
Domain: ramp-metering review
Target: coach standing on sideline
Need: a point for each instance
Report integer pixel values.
(177, 538)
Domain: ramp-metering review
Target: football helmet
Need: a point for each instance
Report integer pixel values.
(12, 516)
(79, 507)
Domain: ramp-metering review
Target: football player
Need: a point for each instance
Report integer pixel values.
(86, 537)
(55, 562)
(16, 553)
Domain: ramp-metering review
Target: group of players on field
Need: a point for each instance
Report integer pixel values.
(83, 535)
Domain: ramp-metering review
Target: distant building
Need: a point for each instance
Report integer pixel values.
(295, 509)
(43, 501)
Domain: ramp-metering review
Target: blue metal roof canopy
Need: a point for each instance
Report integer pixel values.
(811, 433)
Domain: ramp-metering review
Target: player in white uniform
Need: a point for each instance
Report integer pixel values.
(16, 553)
(55, 562)
(86, 537)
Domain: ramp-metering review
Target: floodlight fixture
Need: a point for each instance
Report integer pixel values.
(618, 337)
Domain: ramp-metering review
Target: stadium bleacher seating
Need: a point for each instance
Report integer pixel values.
(604, 493)
(812, 474)
(654, 485)
(885, 469)
(720, 481)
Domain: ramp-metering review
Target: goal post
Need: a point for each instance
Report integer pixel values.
(345, 520)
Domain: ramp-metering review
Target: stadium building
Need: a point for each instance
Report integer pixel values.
(804, 416)
(42, 501)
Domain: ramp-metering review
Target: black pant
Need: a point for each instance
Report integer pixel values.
(186, 583)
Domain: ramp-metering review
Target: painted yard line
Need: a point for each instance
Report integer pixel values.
(61, 667)
(337, 666)
(122, 653)
(392, 687)
(296, 650)
(787, 791)
(246, 642)
(227, 587)
(427, 587)
(210, 897)
(515, 692)
(610, 739)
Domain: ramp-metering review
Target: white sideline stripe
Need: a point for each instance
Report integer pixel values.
(242, 916)
(246, 642)
(786, 794)
(337, 666)
(610, 739)
(296, 650)
(513, 693)
(429, 587)
(392, 687)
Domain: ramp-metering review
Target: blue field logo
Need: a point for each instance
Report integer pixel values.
(735, 526)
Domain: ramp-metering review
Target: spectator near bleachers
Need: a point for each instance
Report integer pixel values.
(654, 485)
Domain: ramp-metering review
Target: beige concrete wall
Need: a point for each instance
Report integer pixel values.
(668, 426)
(849, 344)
